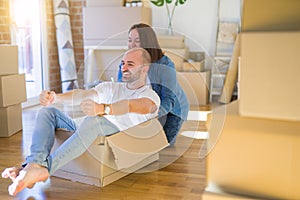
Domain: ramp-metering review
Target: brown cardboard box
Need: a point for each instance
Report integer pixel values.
(270, 15)
(12, 89)
(11, 120)
(111, 158)
(105, 31)
(195, 85)
(193, 66)
(9, 59)
(171, 41)
(254, 156)
(178, 56)
(269, 82)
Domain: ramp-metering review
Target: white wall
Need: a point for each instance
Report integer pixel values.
(197, 20)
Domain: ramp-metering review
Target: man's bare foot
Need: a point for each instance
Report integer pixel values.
(11, 172)
(27, 177)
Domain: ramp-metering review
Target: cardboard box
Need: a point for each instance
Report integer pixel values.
(254, 156)
(12, 89)
(11, 120)
(111, 158)
(175, 41)
(105, 31)
(271, 15)
(269, 71)
(193, 66)
(103, 3)
(178, 56)
(9, 59)
(196, 86)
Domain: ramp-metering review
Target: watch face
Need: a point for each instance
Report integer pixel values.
(107, 109)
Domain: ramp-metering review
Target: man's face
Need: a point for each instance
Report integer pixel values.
(132, 66)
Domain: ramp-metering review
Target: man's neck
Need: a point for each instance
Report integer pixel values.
(136, 85)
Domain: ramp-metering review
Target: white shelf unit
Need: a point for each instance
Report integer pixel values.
(227, 31)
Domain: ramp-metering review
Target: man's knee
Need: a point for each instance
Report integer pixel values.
(47, 111)
(90, 121)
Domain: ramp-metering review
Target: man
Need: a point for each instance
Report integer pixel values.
(110, 107)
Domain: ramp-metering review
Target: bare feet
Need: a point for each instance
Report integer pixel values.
(27, 177)
(11, 172)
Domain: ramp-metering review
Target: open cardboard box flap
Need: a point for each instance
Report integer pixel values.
(137, 143)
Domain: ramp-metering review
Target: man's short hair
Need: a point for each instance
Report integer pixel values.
(145, 54)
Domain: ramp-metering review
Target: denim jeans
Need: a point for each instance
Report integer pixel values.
(171, 125)
(48, 120)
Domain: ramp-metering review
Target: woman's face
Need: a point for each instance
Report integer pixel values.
(133, 39)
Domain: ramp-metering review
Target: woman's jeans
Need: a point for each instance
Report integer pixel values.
(171, 125)
(48, 120)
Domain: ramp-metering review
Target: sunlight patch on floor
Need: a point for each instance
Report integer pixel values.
(196, 134)
(197, 115)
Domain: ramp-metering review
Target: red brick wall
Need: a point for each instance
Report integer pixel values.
(54, 69)
(77, 33)
(4, 22)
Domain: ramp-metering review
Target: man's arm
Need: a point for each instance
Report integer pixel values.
(73, 97)
(140, 106)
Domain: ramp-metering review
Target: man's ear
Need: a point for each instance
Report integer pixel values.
(146, 68)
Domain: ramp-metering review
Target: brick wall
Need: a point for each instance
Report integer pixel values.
(4, 22)
(54, 69)
(77, 33)
(75, 7)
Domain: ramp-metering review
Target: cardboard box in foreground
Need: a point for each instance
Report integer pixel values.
(269, 81)
(113, 157)
(249, 149)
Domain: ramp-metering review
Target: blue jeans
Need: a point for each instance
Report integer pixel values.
(171, 125)
(48, 120)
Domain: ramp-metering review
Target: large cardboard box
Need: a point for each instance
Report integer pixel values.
(11, 120)
(270, 15)
(9, 59)
(103, 3)
(12, 89)
(106, 33)
(254, 156)
(196, 86)
(111, 158)
(269, 82)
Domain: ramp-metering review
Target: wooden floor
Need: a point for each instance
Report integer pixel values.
(182, 174)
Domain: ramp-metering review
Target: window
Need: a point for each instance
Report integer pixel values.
(27, 26)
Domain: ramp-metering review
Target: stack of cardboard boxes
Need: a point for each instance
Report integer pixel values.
(12, 91)
(254, 142)
(191, 73)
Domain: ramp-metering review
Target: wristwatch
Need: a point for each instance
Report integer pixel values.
(106, 109)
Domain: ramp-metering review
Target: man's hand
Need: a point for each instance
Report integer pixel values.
(47, 97)
(92, 108)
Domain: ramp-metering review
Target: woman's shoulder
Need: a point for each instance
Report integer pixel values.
(165, 60)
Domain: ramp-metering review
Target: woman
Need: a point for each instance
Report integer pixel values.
(162, 76)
